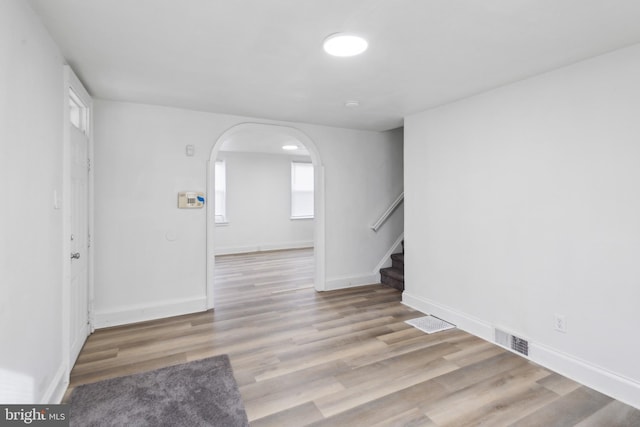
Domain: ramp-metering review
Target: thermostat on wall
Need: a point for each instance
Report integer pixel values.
(190, 200)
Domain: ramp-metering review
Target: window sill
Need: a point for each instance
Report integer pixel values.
(222, 223)
(300, 217)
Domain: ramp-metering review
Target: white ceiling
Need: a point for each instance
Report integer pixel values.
(264, 58)
(263, 140)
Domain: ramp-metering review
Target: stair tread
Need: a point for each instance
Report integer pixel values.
(398, 257)
(394, 276)
(392, 272)
(390, 281)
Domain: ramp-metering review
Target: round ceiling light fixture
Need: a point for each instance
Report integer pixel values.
(343, 44)
(289, 147)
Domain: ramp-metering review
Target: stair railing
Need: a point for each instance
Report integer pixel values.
(376, 226)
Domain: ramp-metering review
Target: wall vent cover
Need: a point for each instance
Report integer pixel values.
(512, 342)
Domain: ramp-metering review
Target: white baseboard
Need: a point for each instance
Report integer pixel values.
(57, 387)
(144, 312)
(617, 386)
(462, 321)
(231, 250)
(344, 282)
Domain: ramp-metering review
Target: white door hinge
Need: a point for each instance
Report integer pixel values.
(88, 165)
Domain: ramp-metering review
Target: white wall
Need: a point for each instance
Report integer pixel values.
(31, 115)
(151, 256)
(259, 205)
(524, 202)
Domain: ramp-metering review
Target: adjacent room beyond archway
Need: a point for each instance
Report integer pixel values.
(264, 199)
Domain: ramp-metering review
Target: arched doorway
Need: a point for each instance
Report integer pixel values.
(319, 221)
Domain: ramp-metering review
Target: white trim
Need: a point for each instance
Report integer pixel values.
(319, 220)
(386, 259)
(463, 321)
(353, 281)
(610, 383)
(91, 223)
(143, 312)
(262, 247)
(596, 377)
(57, 387)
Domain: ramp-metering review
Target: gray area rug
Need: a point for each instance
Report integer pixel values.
(199, 393)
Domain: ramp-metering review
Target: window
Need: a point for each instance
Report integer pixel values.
(221, 191)
(77, 112)
(301, 190)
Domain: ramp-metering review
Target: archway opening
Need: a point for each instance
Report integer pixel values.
(263, 138)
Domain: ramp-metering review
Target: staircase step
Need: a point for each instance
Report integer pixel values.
(393, 272)
(397, 261)
(393, 277)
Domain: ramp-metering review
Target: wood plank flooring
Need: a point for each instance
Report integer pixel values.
(344, 358)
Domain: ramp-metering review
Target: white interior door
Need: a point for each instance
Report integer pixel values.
(79, 227)
(79, 243)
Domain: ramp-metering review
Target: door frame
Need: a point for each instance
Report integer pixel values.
(318, 200)
(72, 82)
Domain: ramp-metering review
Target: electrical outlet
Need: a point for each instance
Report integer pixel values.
(560, 323)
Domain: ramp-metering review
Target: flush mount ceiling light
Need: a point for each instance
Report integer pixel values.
(342, 44)
(352, 104)
(289, 147)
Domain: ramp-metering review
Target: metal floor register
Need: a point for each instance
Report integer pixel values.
(430, 324)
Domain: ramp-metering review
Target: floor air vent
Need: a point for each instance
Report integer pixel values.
(512, 342)
(430, 324)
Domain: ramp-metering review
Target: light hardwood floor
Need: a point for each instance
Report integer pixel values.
(344, 358)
